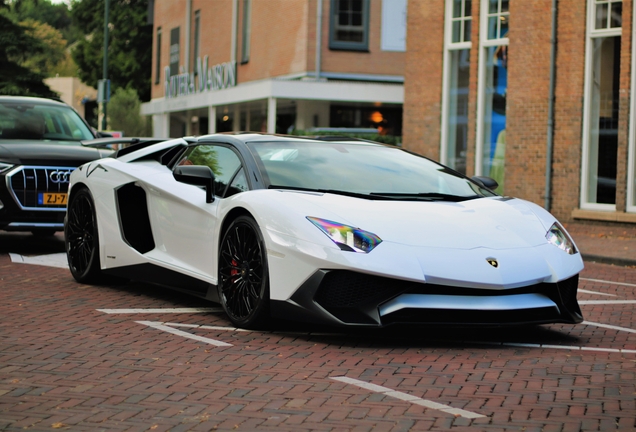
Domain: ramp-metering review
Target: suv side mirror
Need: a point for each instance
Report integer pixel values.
(488, 182)
(197, 175)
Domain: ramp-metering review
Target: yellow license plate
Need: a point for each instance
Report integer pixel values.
(53, 198)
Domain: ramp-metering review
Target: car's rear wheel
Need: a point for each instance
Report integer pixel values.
(82, 242)
(243, 274)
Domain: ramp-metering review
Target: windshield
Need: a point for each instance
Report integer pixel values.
(362, 169)
(31, 121)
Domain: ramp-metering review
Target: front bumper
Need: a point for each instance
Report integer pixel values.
(343, 297)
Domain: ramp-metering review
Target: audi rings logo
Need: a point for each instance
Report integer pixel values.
(59, 176)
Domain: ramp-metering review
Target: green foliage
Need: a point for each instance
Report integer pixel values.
(207, 156)
(55, 15)
(54, 47)
(15, 47)
(130, 39)
(385, 139)
(124, 115)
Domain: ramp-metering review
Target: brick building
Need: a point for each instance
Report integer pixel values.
(276, 65)
(480, 76)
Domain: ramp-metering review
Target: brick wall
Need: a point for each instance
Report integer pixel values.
(283, 35)
(373, 62)
(423, 77)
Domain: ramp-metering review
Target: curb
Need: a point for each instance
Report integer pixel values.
(624, 262)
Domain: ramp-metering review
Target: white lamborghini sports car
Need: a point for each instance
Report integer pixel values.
(340, 232)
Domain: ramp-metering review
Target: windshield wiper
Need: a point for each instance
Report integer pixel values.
(330, 191)
(428, 196)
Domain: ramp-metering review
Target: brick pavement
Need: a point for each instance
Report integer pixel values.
(64, 365)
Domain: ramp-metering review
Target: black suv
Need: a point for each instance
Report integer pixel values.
(40, 145)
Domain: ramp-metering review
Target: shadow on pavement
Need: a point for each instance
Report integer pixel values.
(29, 244)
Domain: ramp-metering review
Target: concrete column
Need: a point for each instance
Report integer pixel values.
(236, 121)
(271, 115)
(161, 125)
(212, 119)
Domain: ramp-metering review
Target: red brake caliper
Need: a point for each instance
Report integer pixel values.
(234, 271)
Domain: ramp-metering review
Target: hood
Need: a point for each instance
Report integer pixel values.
(66, 153)
(495, 223)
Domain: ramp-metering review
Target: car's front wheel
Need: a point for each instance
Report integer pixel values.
(243, 274)
(82, 242)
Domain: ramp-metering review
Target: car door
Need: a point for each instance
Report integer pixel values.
(184, 224)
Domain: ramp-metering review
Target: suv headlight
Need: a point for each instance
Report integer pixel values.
(347, 237)
(557, 236)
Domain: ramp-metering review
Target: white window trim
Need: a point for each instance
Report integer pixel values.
(591, 33)
(448, 47)
(631, 148)
(484, 44)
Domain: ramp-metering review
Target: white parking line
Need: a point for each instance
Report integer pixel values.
(596, 293)
(162, 327)
(609, 282)
(160, 310)
(606, 302)
(408, 398)
(57, 260)
(625, 329)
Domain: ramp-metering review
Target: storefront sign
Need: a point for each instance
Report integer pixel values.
(215, 77)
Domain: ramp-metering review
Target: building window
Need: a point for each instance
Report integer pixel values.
(600, 140)
(608, 14)
(197, 40)
(493, 87)
(246, 31)
(461, 20)
(175, 55)
(497, 18)
(158, 57)
(349, 25)
(456, 79)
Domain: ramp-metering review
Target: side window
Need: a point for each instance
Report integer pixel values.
(239, 184)
(223, 162)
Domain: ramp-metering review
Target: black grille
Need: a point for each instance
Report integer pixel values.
(342, 289)
(29, 183)
(355, 297)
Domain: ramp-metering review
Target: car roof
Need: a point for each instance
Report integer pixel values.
(259, 137)
(31, 100)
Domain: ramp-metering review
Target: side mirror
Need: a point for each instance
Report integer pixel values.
(488, 182)
(197, 175)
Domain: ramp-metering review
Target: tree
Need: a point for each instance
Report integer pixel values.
(123, 113)
(55, 15)
(15, 45)
(44, 62)
(130, 39)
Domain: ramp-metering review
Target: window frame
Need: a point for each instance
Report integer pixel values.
(348, 45)
(590, 34)
(450, 46)
(631, 145)
(484, 45)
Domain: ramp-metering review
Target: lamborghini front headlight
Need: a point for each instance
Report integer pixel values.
(347, 237)
(557, 236)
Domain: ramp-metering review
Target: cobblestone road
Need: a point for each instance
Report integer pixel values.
(71, 359)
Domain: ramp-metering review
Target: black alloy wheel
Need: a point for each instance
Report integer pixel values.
(80, 233)
(243, 274)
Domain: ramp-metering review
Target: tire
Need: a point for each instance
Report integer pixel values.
(81, 238)
(243, 274)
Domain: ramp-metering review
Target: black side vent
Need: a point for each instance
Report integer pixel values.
(133, 218)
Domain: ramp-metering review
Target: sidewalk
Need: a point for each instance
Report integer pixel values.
(605, 244)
